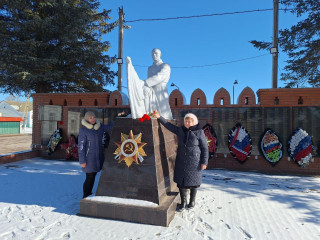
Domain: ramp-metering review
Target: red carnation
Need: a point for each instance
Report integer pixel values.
(144, 117)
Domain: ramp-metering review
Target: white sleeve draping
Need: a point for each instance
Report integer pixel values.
(135, 91)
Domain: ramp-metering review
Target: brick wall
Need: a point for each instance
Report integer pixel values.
(9, 158)
(65, 100)
(222, 98)
(259, 164)
(247, 97)
(283, 97)
(198, 99)
(289, 97)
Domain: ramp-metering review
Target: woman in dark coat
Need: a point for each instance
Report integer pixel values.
(90, 149)
(192, 157)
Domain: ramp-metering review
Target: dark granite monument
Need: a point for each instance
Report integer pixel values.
(137, 166)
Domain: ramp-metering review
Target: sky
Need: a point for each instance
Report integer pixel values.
(202, 41)
(230, 205)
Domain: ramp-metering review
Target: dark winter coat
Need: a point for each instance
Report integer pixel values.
(91, 145)
(192, 152)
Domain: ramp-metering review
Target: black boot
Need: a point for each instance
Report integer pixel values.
(88, 184)
(192, 202)
(183, 196)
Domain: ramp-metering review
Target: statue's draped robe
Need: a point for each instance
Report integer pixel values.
(151, 94)
(135, 91)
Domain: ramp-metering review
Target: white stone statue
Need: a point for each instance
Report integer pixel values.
(151, 94)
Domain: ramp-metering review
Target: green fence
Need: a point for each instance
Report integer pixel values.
(9, 128)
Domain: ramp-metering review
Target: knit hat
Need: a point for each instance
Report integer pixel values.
(193, 117)
(88, 115)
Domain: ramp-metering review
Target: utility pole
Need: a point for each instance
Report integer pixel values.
(274, 50)
(120, 49)
(25, 112)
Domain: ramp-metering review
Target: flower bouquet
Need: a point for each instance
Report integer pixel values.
(122, 114)
(147, 116)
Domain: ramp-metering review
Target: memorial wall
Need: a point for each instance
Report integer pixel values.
(281, 110)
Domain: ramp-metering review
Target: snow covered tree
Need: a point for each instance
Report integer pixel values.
(302, 44)
(54, 46)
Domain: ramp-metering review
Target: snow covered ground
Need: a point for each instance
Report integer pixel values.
(39, 199)
(25, 130)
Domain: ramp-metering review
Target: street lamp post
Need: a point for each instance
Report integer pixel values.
(173, 85)
(235, 82)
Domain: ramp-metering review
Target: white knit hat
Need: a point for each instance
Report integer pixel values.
(193, 117)
(88, 115)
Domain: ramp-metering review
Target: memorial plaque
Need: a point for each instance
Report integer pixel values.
(110, 114)
(223, 121)
(251, 119)
(278, 119)
(47, 129)
(308, 118)
(74, 122)
(200, 113)
(50, 113)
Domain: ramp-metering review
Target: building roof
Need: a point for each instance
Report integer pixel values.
(10, 119)
(21, 105)
(6, 110)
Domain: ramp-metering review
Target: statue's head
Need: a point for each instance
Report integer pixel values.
(156, 54)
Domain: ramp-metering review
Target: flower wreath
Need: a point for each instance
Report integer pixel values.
(239, 143)
(54, 141)
(300, 147)
(71, 148)
(271, 147)
(211, 139)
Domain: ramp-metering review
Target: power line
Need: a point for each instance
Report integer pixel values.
(204, 15)
(216, 64)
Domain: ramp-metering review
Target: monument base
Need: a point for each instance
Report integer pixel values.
(160, 216)
(139, 165)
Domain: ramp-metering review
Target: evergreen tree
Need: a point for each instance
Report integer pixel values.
(54, 46)
(302, 44)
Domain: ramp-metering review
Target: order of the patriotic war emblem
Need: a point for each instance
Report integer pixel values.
(130, 149)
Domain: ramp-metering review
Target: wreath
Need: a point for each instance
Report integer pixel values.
(271, 147)
(54, 141)
(239, 143)
(300, 147)
(71, 148)
(211, 139)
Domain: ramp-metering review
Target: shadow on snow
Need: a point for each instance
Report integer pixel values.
(284, 189)
(56, 184)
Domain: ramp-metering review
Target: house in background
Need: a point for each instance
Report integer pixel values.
(10, 119)
(26, 111)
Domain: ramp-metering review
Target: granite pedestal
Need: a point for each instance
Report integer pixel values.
(150, 180)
